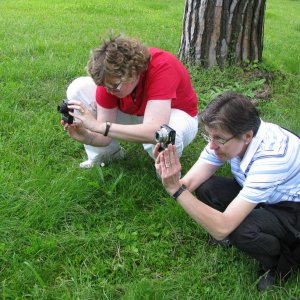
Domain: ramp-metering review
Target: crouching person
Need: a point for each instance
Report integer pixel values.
(131, 91)
(258, 210)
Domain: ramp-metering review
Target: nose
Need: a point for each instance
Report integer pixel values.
(212, 145)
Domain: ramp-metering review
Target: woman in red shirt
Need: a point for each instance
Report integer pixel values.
(132, 90)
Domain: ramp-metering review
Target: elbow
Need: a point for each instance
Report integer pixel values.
(100, 143)
(220, 237)
(222, 232)
(106, 142)
(223, 227)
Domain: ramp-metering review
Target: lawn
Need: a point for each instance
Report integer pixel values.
(113, 232)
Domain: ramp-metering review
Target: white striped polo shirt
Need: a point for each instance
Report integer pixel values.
(270, 169)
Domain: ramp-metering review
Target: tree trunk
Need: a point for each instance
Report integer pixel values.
(216, 32)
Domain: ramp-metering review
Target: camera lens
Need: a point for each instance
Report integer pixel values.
(161, 136)
(63, 107)
(157, 135)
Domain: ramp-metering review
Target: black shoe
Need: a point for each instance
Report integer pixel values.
(267, 281)
(223, 243)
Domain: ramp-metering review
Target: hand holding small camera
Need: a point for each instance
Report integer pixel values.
(74, 129)
(166, 158)
(67, 109)
(64, 110)
(168, 166)
(165, 136)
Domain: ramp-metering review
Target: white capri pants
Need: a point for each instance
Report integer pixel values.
(84, 89)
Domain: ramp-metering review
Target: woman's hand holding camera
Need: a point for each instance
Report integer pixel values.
(76, 131)
(87, 119)
(168, 166)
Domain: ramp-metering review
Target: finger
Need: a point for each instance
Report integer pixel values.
(158, 168)
(162, 166)
(171, 154)
(79, 108)
(77, 116)
(155, 150)
(167, 158)
(157, 160)
(176, 157)
(66, 129)
(175, 160)
(167, 164)
(78, 105)
(74, 102)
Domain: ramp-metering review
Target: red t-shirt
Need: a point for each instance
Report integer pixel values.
(165, 78)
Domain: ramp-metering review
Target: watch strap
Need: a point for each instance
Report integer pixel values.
(108, 124)
(178, 192)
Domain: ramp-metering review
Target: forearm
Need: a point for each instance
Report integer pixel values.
(96, 139)
(209, 218)
(218, 224)
(139, 133)
(197, 175)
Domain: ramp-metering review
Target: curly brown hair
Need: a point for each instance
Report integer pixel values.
(118, 59)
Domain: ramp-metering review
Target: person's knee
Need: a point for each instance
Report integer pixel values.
(249, 238)
(237, 235)
(179, 145)
(149, 149)
(76, 87)
(186, 127)
(244, 234)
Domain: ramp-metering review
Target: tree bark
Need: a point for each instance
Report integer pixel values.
(219, 32)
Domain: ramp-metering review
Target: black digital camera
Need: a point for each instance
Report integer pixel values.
(64, 110)
(165, 136)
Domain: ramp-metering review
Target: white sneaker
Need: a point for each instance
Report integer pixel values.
(87, 164)
(103, 159)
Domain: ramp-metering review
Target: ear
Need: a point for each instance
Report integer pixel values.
(248, 136)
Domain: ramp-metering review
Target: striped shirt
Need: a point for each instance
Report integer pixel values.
(269, 172)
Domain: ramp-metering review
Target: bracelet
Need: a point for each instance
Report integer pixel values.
(107, 128)
(179, 192)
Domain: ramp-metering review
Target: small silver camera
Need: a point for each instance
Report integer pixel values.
(165, 136)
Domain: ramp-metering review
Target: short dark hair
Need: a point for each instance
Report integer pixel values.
(231, 112)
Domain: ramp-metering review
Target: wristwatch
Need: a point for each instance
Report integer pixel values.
(108, 124)
(178, 192)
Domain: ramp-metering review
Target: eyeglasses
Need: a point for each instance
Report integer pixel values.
(217, 142)
(116, 88)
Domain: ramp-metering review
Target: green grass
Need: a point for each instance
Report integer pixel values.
(282, 35)
(113, 233)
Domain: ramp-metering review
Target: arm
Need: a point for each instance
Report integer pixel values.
(157, 113)
(199, 173)
(218, 224)
(84, 135)
(103, 115)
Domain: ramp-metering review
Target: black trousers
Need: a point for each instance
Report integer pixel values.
(260, 234)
